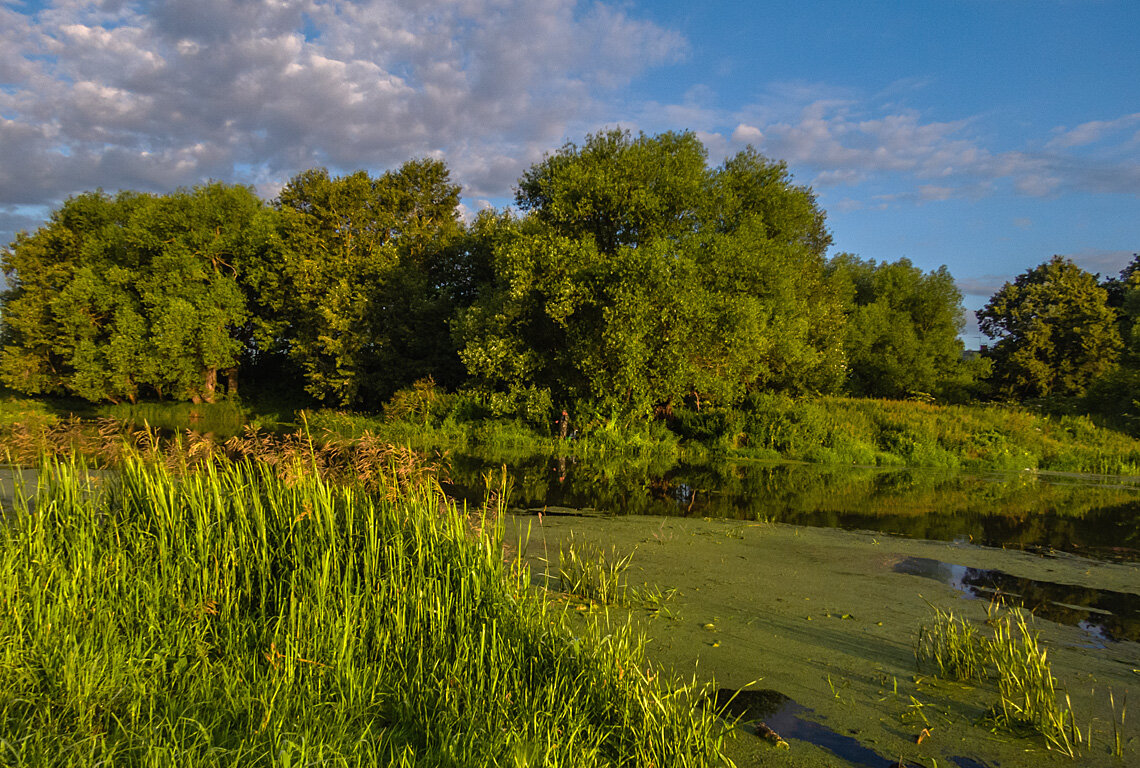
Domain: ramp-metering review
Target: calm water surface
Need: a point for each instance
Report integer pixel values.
(1087, 515)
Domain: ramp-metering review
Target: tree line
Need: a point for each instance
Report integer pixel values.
(630, 275)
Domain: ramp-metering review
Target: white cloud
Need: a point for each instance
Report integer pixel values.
(161, 93)
(1093, 131)
(844, 142)
(747, 134)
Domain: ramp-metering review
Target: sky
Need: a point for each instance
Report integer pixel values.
(984, 135)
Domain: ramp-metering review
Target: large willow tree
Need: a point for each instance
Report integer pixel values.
(130, 296)
(637, 276)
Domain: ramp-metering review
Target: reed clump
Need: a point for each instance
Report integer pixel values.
(241, 615)
(1029, 698)
(588, 571)
(365, 461)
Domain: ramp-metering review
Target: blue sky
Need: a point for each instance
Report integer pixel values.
(986, 135)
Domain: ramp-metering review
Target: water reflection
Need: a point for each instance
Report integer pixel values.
(1103, 613)
(1025, 510)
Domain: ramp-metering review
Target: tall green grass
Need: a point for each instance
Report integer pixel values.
(906, 433)
(1029, 698)
(230, 617)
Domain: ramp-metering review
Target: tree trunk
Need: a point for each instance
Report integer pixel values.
(232, 381)
(210, 385)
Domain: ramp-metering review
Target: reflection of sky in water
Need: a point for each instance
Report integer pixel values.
(1105, 615)
(1099, 638)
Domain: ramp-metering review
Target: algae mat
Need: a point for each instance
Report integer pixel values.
(827, 620)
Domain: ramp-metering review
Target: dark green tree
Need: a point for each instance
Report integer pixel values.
(1054, 329)
(639, 277)
(64, 297)
(902, 328)
(361, 293)
(136, 295)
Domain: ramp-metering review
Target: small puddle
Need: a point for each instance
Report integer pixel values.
(1106, 615)
(783, 715)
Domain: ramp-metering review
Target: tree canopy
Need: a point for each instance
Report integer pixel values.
(638, 276)
(1055, 331)
(359, 293)
(631, 277)
(902, 327)
(121, 297)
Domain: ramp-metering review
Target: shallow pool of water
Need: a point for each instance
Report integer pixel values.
(813, 582)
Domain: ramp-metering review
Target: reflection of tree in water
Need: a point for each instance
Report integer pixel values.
(1020, 510)
(1115, 615)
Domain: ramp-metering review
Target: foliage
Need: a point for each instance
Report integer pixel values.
(362, 291)
(902, 328)
(639, 277)
(1055, 331)
(228, 616)
(119, 298)
(1027, 690)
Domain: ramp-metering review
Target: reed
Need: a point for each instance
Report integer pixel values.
(954, 646)
(586, 570)
(1118, 723)
(1028, 698)
(242, 614)
(1028, 695)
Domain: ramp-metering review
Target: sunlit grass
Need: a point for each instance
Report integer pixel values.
(1029, 698)
(238, 615)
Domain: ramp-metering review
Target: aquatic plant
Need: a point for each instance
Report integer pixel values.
(1028, 694)
(953, 645)
(1027, 689)
(586, 570)
(234, 613)
(1117, 727)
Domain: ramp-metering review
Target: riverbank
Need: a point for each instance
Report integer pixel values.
(826, 430)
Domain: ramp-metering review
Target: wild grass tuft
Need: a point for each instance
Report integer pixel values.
(586, 570)
(954, 646)
(241, 615)
(1118, 723)
(1028, 694)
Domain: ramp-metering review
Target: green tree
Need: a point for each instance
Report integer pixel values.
(902, 328)
(359, 293)
(117, 298)
(1116, 394)
(638, 277)
(63, 292)
(1055, 331)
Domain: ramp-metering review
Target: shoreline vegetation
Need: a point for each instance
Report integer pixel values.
(240, 613)
(823, 430)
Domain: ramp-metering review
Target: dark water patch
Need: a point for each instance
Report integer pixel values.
(968, 762)
(771, 711)
(1093, 517)
(749, 705)
(1106, 614)
(787, 722)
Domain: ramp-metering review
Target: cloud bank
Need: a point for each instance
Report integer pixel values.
(161, 93)
(847, 143)
(155, 94)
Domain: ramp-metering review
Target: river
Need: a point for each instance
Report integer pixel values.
(810, 584)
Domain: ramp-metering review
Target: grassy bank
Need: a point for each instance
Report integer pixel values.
(905, 433)
(825, 430)
(242, 615)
